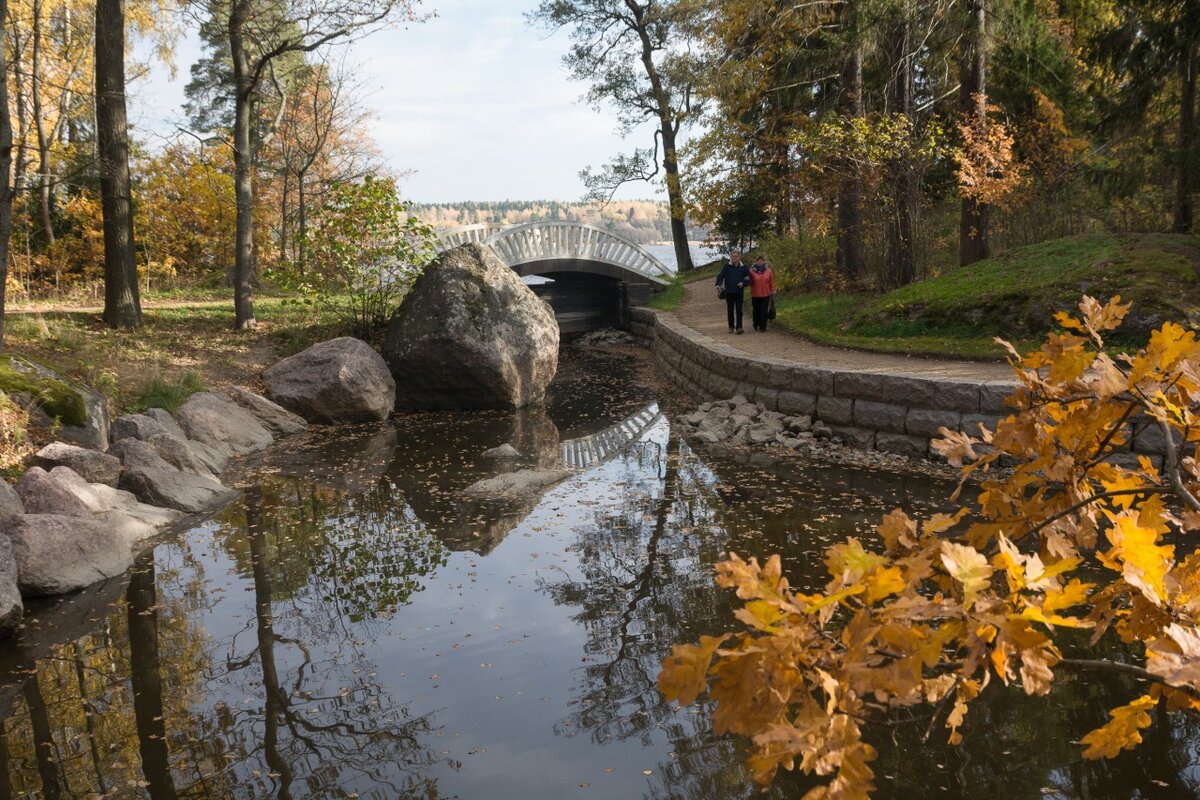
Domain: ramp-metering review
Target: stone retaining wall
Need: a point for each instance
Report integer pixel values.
(895, 413)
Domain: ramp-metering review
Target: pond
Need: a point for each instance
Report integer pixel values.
(353, 628)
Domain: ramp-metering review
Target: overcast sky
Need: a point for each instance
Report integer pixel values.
(474, 101)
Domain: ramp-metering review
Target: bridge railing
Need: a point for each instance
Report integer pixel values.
(547, 241)
(588, 451)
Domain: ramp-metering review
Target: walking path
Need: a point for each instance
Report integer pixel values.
(703, 312)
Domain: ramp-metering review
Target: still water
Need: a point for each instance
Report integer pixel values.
(353, 628)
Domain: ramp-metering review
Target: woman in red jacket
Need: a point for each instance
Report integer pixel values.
(762, 286)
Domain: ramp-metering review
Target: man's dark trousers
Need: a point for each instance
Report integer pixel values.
(733, 308)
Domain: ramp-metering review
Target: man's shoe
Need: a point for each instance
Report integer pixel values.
(740, 331)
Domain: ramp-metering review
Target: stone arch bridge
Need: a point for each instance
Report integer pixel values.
(594, 276)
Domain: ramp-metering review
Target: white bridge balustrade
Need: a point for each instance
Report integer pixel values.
(524, 247)
(588, 451)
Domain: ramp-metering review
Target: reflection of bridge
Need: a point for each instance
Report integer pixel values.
(595, 274)
(588, 451)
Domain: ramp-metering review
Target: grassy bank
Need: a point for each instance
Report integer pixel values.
(1014, 295)
(181, 349)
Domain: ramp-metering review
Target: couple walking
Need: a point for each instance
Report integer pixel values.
(732, 281)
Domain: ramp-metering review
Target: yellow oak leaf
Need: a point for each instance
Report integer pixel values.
(967, 566)
(1136, 554)
(1122, 731)
(883, 582)
(850, 563)
(1175, 657)
(685, 672)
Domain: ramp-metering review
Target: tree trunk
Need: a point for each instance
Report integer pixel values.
(39, 127)
(146, 678)
(6, 184)
(302, 223)
(851, 259)
(243, 169)
(901, 265)
(1187, 140)
(679, 237)
(122, 305)
(973, 220)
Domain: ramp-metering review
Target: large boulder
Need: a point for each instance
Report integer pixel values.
(470, 334)
(42, 493)
(133, 520)
(56, 554)
(341, 380)
(94, 466)
(275, 418)
(11, 607)
(222, 424)
(155, 481)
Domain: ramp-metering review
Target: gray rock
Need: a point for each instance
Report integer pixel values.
(155, 481)
(11, 608)
(799, 424)
(168, 423)
(338, 381)
(516, 485)
(56, 554)
(10, 501)
(222, 424)
(504, 451)
(41, 493)
(761, 433)
(470, 334)
(275, 418)
(738, 400)
(181, 454)
(132, 520)
(94, 466)
(135, 426)
(746, 410)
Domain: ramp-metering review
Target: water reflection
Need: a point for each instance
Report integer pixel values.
(352, 628)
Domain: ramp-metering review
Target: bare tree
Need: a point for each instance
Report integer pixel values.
(259, 33)
(630, 52)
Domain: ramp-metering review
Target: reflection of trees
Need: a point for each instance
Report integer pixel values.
(645, 585)
(325, 724)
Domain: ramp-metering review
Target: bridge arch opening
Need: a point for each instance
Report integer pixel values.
(594, 276)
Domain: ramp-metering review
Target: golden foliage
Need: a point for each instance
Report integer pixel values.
(936, 610)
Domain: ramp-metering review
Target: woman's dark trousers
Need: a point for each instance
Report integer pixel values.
(733, 308)
(759, 310)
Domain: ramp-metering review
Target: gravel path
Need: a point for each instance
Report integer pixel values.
(703, 312)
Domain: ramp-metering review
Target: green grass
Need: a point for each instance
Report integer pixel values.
(669, 298)
(177, 348)
(1015, 296)
(169, 392)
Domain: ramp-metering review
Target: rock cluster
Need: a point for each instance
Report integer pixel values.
(738, 421)
(604, 336)
(78, 515)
